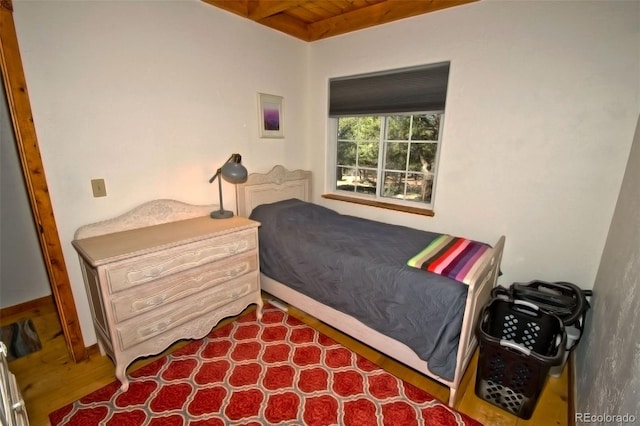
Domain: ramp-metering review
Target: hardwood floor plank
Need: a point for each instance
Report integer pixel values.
(49, 379)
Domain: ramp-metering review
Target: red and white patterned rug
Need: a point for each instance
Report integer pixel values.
(277, 371)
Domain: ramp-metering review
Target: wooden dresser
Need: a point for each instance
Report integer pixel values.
(153, 285)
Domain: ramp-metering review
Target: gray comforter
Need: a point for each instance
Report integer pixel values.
(358, 267)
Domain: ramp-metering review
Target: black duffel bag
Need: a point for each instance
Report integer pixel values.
(566, 300)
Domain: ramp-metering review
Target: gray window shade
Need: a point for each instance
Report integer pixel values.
(413, 89)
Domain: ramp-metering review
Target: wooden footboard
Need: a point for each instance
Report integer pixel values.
(478, 295)
(281, 184)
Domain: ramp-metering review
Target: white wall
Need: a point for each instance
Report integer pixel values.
(540, 115)
(153, 97)
(23, 276)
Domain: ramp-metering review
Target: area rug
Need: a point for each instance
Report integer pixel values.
(21, 338)
(277, 371)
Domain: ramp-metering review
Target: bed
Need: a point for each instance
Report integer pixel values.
(421, 319)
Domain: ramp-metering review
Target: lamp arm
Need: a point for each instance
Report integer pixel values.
(216, 175)
(233, 156)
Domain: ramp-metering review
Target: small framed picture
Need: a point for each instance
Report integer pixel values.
(271, 116)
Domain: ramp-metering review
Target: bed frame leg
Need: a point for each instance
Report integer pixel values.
(452, 396)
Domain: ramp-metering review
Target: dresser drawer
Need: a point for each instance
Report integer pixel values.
(155, 294)
(161, 320)
(132, 272)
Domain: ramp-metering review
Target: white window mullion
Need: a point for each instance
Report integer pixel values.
(381, 156)
(436, 166)
(406, 162)
(332, 155)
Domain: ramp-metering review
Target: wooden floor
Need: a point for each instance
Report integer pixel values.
(49, 379)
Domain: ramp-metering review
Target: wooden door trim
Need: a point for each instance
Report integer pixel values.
(33, 171)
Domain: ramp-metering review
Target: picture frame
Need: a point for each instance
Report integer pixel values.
(271, 116)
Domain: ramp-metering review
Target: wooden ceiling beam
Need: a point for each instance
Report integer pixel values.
(261, 9)
(288, 25)
(279, 21)
(325, 8)
(304, 14)
(239, 7)
(312, 20)
(380, 13)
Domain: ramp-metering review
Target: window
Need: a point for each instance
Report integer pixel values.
(388, 133)
(399, 151)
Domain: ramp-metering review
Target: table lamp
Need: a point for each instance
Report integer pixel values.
(232, 171)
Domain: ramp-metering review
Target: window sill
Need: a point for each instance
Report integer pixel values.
(380, 204)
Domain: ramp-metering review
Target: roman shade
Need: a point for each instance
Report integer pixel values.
(415, 89)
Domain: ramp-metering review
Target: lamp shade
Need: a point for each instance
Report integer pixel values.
(234, 172)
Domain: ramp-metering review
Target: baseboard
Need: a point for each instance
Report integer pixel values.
(27, 306)
(93, 350)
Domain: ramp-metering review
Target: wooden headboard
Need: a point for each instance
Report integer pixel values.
(277, 185)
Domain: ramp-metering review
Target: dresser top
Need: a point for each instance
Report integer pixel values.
(115, 246)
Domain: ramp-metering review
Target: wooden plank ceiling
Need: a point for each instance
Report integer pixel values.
(312, 20)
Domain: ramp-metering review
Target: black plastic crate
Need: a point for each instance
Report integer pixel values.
(564, 299)
(519, 343)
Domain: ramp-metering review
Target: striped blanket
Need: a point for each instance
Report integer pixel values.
(453, 257)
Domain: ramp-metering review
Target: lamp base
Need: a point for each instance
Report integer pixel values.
(221, 214)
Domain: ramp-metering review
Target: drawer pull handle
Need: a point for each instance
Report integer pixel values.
(153, 273)
(239, 292)
(161, 326)
(153, 301)
(232, 249)
(236, 271)
(236, 247)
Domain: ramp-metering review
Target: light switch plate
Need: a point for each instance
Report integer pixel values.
(99, 189)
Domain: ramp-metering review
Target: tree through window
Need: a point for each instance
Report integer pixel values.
(399, 151)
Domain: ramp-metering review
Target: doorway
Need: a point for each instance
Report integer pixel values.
(15, 87)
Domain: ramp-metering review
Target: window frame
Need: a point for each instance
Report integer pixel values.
(377, 200)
